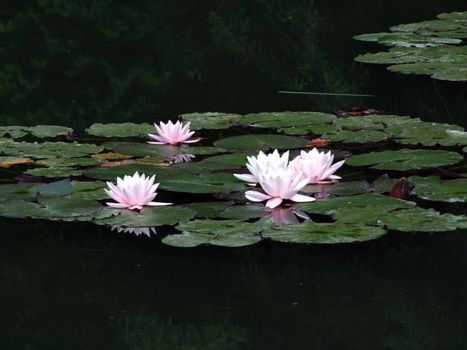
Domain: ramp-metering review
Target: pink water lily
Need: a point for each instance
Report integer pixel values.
(279, 185)
(172, 134)
(263, 163)
(133, 192)
(316, 166)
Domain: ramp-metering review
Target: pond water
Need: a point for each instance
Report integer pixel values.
(82, 286)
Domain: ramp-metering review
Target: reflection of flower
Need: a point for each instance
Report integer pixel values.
(136, 230)
(279, 184)
(172, 134)
(181, 157)
(264, 163)
(316, 166)
(287, 216)
(133, 192)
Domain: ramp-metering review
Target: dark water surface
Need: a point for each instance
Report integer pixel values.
(79, 286)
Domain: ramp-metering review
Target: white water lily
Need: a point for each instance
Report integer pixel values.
(133, 192)
(316, 166)
(279, 185)
(172, 134)
(136, 230)
(263, 163)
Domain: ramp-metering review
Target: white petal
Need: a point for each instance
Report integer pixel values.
(256, 196)
(153, 204)
(302, 198)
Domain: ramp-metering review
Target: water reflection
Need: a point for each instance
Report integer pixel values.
(181, 158)
(286, 216)
(135, 230)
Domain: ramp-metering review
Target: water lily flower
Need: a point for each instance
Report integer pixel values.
(136, 230)
(172, 134)
(316, 166)
(133, 192)
(263, 163)
(279, 185)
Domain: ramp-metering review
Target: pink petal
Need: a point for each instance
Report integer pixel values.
(154, 204)
(273, 202)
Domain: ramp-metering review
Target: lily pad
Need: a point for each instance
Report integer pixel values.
(260, 142)
(93, 190)
(53, 189)
(208, 209)
(210, 120)
(162, 151)
(40, 131)
(48, 149)
(111, 173)
(244, 212)
(120, 130)
(433, 188)
(405, 159)
(323, 233)
(224, 233)
(8, 162)
(285, 119)
(203, 183)
(54, 172)
(148, 217)
(423, 220)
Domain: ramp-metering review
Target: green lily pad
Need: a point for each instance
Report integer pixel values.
(54, 172)
(53, 189)
(423, 220)
(244, 212)
(360, 136)
(40, 131)
(323, 233)
(92, 190)
(208, 210)
(344, 188)
(286, 119)
(12, 192)
(433, 188)
(148, 217)
(120, 130)
(210, 120)
(315, 129)
(65, 208)
(48, 149)
(405, 159)
(203, 183)
(224, 233)
(260, 142)
(331, 205)
(49, 131)
(162, 151)
(69, 162)
(111, 173)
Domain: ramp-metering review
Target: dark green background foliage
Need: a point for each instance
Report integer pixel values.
(73, 63)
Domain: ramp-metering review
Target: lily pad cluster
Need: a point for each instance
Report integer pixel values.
(59, 180)
(436, 48)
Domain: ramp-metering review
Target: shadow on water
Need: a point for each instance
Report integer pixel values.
(74, 63)
(89, 288)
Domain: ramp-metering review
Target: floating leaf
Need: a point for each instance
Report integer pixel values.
(433, 188)
(204, 183)
(48, 149)
(260, 141)
(244, 212)
(93, 190)
(224, 233)
(69, 162)
(423, 220)
(53, 189)
(148, 217)
(286, 119)
(8, 162)
(11, 192)
(49, 131)
(208, 209)
(405, 159)
(111, 173)
(323, 233)
(54, 172)
(210, 120)
(120, 130)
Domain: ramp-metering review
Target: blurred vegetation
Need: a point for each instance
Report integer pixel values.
(72, 63)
